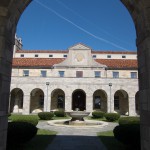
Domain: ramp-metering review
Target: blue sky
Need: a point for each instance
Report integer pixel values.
(59, 24)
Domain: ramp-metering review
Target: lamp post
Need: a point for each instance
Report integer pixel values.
(110, 85)
(47, 84)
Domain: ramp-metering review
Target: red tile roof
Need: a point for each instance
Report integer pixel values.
(26, 62)
(113, 52)
(41, 51)
(66, 51)
(47, 62)
(119, 63)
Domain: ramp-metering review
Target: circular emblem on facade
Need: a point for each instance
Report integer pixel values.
(79, 57)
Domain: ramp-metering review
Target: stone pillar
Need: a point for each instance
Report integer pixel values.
(26, 105)
(89, 103)
(68, 102)
(112, 104)
(132, 106)
(110, 101)
(47, 103)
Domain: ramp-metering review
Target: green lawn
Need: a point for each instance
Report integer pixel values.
(110, 142)
(39, 142)
(15, 116)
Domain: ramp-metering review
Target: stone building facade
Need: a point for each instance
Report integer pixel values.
(75, 78)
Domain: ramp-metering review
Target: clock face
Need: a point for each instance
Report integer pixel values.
(79, 57)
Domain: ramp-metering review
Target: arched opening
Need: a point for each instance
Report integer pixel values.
(100, 100)
(16, 101)
(79, 100)
(36, 100)
(121, 102)
(58, 100)
(137, 103)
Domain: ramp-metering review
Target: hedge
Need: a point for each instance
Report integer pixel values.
(20, 132)
(128, 134)
(59, 113)
(129, 120)
(26, 118)
(112, 116)
(46, 115)
(98, 114)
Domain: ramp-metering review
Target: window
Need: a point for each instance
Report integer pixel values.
(97, 74)
(36, 55)
(116, 102)
(25, 73)
(43, 73)
(108, 56)
(115, 74)
(79, 74)
(50, 55)
(61, 73)
(94, 56)
(60, 101)
(97, 102)
(133, 75)
(22, 55)
(123, 56)
(65, 56)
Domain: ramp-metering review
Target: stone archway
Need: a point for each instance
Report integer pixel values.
(57, 100)
(100, 100)
(36, 100)
(9, 16)
(121, 102)
(79, 100)
(16, 101)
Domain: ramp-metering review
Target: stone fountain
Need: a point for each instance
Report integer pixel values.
(77, 117)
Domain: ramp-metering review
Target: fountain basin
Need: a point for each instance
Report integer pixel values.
(77, 115)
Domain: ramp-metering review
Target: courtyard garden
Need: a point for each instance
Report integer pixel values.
(24, 134)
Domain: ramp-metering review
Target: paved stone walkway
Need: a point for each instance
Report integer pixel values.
(76, 138)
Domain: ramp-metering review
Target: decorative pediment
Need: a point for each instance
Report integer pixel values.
(79, 46)
(80, 56)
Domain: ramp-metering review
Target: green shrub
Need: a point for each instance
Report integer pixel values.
(112, 116)
(59, 113)
(129, 120)
(128, 134)
(26, 118)
(20, 132)
(98, 114)
(46, 115)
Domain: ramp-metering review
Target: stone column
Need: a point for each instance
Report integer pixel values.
(89, 103)
(112, 104)
(68, 102)
(110, 101)
(47, 103)
(26, 105)
(132, 106)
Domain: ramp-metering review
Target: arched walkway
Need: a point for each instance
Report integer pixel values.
(79, 100)
(36, 100)
(121, 102)
(58, 99)
(16, 101)
(100, 100)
